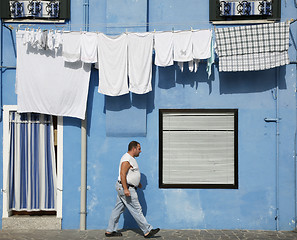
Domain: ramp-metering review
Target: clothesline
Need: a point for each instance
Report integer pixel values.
(125, 25)
(126, 32)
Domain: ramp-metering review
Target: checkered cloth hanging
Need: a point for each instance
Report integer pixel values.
(252, 48)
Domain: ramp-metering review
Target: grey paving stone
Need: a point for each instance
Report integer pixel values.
(137, 234)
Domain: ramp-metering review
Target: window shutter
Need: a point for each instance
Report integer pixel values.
(198, 148)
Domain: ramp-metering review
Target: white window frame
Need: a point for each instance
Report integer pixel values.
(6, 212)
(170, 120)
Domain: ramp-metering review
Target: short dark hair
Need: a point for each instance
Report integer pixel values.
(132, 144)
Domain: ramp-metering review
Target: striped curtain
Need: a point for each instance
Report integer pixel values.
(32, 164)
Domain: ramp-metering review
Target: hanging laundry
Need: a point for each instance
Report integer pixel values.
(211, 59)
(89, 44)
(26, 38)
(193, 65)
(252, 48)
(112, 57)
(182, 47)
(58, 39)
(33, 38)
(42, 43)
(163, 46)
(50, 40)
(201, 40)
(46, 84)
(71, 46)
(140, 50)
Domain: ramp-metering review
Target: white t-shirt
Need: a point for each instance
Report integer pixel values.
(133, 175)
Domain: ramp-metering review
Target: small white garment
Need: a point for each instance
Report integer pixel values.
(58, 39)
(163, 49)
(201, 44)
(193, 65)
(43, 40)
(140, 58)
(112, 55)
(46, 84)
(33, 38)
(50, 40)
(182, 46)
(71, 46)
(26, 38)
(39, 39)
(88, 49)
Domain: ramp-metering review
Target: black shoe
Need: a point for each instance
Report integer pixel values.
(113, 234)
(152, 233)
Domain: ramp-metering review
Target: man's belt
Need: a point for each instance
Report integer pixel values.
(128, 185)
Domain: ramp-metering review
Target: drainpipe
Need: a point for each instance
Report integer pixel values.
(295, 140)
(277, 149)
(1, 64)
(276, 120)
(83, 188)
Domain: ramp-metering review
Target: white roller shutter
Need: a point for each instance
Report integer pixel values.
(198, 148)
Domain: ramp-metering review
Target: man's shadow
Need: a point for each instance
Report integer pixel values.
(129, 222)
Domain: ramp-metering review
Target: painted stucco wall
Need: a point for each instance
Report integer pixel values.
(253, 204)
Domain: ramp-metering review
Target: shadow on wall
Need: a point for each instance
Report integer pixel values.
(170, 76)
(92, 86)
(251, 82)
(139, 101)
(129, 222)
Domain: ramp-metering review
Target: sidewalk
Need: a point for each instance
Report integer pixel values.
(135, 234)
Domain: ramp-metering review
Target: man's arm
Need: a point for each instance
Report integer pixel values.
(124, 170)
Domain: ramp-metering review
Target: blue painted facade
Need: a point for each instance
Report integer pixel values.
(114, 121)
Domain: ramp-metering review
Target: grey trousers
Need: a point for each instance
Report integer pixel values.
(134, 207)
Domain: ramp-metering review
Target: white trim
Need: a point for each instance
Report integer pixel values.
(59, 167)
(6, 110)
(235, 22)
(6, 212)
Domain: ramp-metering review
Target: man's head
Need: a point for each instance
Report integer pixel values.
(134, 148)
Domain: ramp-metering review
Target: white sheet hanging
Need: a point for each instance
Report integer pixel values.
(201, 44)
(71, 46)
(182, 44)
(140, 50)
(89, 44)
(112, 56)
(46, 84)
(163, 46)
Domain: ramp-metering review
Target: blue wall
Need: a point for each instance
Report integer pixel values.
(253, 204)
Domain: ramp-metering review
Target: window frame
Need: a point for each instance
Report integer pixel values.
(202, 186)
(6, 212)
(215, 18)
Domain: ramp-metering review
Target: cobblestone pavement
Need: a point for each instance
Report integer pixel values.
(134, 234)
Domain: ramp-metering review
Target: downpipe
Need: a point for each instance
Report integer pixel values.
(276, 120)
(83, 188)
(277, 149)
(1, 69)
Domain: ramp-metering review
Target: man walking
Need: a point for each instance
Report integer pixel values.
(128, 181)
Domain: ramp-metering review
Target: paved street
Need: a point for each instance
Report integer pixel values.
(163, 234)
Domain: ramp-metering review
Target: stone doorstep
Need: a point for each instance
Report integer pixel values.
(32, 222)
